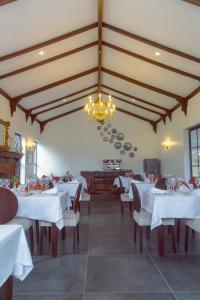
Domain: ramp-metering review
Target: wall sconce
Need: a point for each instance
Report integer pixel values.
(165, 145)
(168, 143)
(30, 146)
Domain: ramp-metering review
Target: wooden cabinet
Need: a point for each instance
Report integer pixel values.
(9, 164)
(152, 166)
(100, 181)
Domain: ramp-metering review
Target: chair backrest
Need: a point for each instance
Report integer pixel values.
(8, 205)
(137, 177)
(161, 184)
(121, 188)
(76, 205)
(136, 197)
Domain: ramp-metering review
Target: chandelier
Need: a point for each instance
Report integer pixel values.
(99, 110)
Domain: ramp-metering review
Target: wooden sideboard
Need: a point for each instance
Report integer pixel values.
(100, 181)
(10, 164)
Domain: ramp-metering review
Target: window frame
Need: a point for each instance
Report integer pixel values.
(190, 147)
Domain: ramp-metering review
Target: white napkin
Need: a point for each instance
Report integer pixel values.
(74, 181)
(157, 191)
(136, 181)
(184, 189)
(51, 191)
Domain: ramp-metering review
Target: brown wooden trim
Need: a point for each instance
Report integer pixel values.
(100, 17)
(134, 104)
(144, 85)
(134, 97)
(4, 94)
(56, 83)
(193, 93)
(49, 60)
(194, 2)
(151, 61)
(3, 2)
(62, 98)
(63, 115)
(151, 43)
(64, 103)
(49, 42)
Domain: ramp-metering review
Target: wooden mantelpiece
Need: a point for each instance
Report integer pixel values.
(100, 181)
(10, 164)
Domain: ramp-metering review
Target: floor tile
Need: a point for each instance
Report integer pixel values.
(188, 296)
(62, 274)
(48, 297)
(119, 296)
(123, 274)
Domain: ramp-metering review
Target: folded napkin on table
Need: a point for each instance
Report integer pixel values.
(51, 191)
(183, 188)
(157, 191)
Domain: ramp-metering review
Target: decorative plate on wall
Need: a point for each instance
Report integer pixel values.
(105, 129)
(118, 145)
(120, 136)
(109, 125)
(135, 148)
(114, 130)
(131, 154)
(113, 136)
(127, 146)
(105, 139)
(99, 127)
(111, 141)
(122, 152)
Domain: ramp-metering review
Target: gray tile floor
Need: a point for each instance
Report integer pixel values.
(108, 265)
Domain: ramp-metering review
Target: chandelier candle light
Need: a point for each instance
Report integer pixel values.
(100, 111)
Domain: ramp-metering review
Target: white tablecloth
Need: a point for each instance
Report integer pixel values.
(15, 258)
(71, 188)
(125, 182)
(142, 187)
(44, 207)
(171, 205)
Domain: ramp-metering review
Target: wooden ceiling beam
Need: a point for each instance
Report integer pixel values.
(151, 43)
(100, 17)
(63, 97)
(137, 105)
(49, 60)
(193, 93)
(64, 103)
(151, 122)
(55, 84)
(134, 97)
(194, 2)
(144, 85)
(48, 42)
(151, 61)
(3, 2)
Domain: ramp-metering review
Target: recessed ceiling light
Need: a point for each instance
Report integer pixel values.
(157, 53)
(41, 53)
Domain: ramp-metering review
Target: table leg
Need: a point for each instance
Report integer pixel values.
(7, 289)
(54, 240)
(160, 237)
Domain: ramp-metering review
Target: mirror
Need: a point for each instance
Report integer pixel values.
(4, 126)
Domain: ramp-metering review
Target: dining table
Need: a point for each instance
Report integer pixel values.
(45, 207)
(125, 182)
(141, 186)
(15, 258)
(71, 187)
(170, 205)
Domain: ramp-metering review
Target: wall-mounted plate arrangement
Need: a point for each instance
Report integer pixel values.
(135, 148)
(131, 154)
(122, 152)
(120, 136)
(118, 145)
(105, 138)
(105, 129)
(127, 146)
(114, 130)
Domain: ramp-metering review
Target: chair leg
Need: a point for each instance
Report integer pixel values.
(37, 230)
(141, 238)
(74, 239)
(130, 206)
(41, 239)
(134, 231)
(88, 208)
(173, 239)
(193, 233)
(178, 227)
(63, 233)
(148, 232)
(160, 237)
(186, 238)
(77, 233)
(49, 234)
(122, 208)
(31, 238)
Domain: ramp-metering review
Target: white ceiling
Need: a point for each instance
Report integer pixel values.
(173, 23)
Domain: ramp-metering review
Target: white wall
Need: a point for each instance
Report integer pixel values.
(73, 143)
(174, 160)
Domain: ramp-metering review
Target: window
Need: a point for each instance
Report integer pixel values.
(194, 142)
(31, 161)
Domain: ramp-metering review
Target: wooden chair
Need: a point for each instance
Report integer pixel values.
(124, 197)
(142, 219)
(86, 198)
(8, 211)
(193, 224)
(137, 177)
(71, 219)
